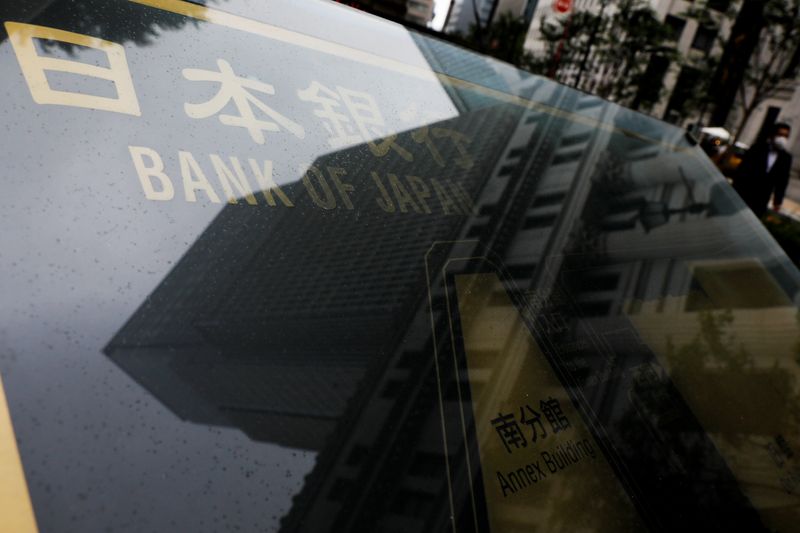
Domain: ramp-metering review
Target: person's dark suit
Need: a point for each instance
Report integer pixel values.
(755, 184)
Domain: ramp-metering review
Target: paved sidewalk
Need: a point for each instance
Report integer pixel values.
(790, 208)
(791, 202)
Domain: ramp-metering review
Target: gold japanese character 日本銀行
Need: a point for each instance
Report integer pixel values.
(351, 117)
(236, 89)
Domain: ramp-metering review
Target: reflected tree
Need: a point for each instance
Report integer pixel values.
(119, 21)
(611, 184)
(734, 391)
(711, 346)
(608, 52)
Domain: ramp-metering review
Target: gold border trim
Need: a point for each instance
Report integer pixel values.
(16, 511)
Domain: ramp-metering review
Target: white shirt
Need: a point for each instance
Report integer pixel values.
(772, 155)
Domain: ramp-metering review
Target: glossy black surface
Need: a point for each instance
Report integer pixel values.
(211, 366)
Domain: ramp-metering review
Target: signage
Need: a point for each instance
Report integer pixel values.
(537, 455)
(562, 6)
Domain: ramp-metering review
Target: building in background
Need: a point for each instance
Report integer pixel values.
(416, 12)
(299, 328)
(678, 85)
(694, 43)
(419, 12)
(461, 15)
(679, 89)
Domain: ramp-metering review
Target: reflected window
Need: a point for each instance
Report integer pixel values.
(704, 38)
(733, 285)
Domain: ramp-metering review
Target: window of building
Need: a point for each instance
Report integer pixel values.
(650, 89)
(792, 69)
(704, 38)
(733, 285)
(548, 199)
(357, 455)
(540, 221)
(340, 488)
(719, 5)
(683, 91)
(676, 26)
(392, 388)
(506, 170)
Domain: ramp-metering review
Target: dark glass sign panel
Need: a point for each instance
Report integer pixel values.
(295, 268)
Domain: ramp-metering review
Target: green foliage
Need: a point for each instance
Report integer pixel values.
(714, 369)
(607, 52)
(768, 65)
(787, 232)
(778, 39)
(713, 346)
(504, 39)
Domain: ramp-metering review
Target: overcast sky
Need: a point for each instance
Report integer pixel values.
(439, 13)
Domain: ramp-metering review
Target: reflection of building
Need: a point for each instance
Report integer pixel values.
(272, 301)
(715, 308)
(419, 12)
(394, 9)
(452, 61)
(461, 16)
(311, 328)
(385, 468)
(392, 477)
(729, 341)
(288, 323)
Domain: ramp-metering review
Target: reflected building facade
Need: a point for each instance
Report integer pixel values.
(321, 329)
(324, 291)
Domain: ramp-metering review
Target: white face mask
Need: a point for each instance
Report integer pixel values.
(781, 143)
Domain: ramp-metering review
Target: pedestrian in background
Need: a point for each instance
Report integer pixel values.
(764, 171)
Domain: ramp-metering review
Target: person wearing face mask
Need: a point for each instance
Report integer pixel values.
(764, 171)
